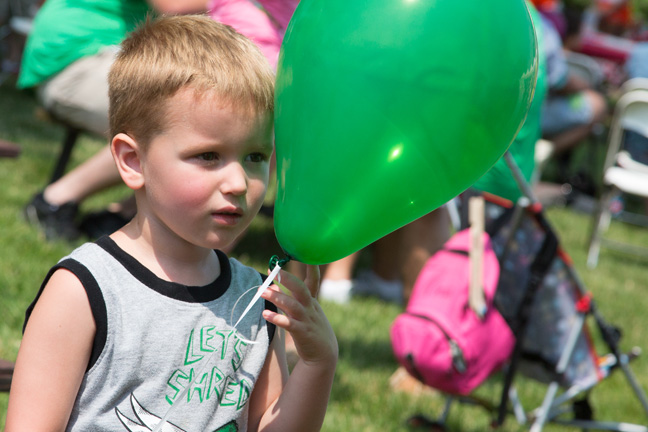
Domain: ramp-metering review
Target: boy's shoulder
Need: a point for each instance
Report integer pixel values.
(90, 248)
(104, 256)
(238, 269)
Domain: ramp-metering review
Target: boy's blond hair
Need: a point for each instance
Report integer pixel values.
(169, 53)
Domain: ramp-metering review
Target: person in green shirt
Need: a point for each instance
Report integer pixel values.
(66, 61)
(499, 180)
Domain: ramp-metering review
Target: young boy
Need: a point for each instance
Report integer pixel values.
(135, 332)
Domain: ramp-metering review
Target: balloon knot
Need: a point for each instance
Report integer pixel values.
(276, 261)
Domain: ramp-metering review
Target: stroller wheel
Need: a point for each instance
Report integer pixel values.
(422, 423)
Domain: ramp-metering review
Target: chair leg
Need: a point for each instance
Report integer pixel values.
(600, 225)
(6, 373)
(71, 135)
(9, 149)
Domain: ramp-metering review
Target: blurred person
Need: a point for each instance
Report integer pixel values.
(572, 107)
(66, 60)
(263, 21)
(396, 261)
(57, 206)
(15, 21)
(553, 10)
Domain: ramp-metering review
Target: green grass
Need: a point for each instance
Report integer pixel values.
(362, 399)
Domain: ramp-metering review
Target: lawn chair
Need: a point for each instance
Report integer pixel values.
(6, 373)
(9, 149)
(547, 307)
(625, 172)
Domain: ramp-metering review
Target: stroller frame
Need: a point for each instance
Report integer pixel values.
(554, 404)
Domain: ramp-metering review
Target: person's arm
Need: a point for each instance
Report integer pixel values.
(53, 357)
(271, 381)
(179, 7)
(297, 402)
(573, 84)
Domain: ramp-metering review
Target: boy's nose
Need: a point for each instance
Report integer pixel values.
(235, 179)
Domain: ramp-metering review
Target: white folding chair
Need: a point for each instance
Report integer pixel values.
(621, 174)
(638, 83)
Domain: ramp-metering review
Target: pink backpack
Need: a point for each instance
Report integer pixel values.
(439, 339)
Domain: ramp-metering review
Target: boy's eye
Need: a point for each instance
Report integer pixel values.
(208, 156)
(257, 157)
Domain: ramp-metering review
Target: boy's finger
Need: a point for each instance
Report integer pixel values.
(287, 304)
(313, 279)
(295, 286)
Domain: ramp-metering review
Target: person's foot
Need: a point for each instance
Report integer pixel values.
(56, 221)
(402, 381)
(337, 291)
(369, 283)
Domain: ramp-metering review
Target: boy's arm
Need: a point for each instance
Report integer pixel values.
(271, 381)
(53, 357)
(301, 398)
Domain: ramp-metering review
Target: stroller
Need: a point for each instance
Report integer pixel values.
(548, 309)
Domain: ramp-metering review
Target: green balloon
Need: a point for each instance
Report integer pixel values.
(387, 109)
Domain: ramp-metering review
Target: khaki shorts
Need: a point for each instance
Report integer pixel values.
(79, 94)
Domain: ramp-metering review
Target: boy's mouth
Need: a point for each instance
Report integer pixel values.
(227, 216)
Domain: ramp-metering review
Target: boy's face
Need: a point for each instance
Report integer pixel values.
(206, 175)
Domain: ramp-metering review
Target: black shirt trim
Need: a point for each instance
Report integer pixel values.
(189, 294)
(95, 298)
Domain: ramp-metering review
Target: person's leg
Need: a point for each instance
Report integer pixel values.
(396, 261)
(337, 280)
(387, 255)
(78, 96)
(340, 269)
(421, 239)
(383, 279)
(399, 257)
(97, 173)
(568, 121)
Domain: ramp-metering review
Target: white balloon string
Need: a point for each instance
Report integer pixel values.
(235, 308)
(261, 290)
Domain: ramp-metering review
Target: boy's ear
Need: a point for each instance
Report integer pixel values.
(126, 153)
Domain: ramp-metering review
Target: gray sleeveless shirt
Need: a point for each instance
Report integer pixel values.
(163, 346)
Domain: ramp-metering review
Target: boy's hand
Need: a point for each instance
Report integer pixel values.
(303, 317)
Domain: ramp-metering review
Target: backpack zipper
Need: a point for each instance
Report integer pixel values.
(458, 360)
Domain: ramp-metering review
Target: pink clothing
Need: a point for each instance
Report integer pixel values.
(263, 21)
